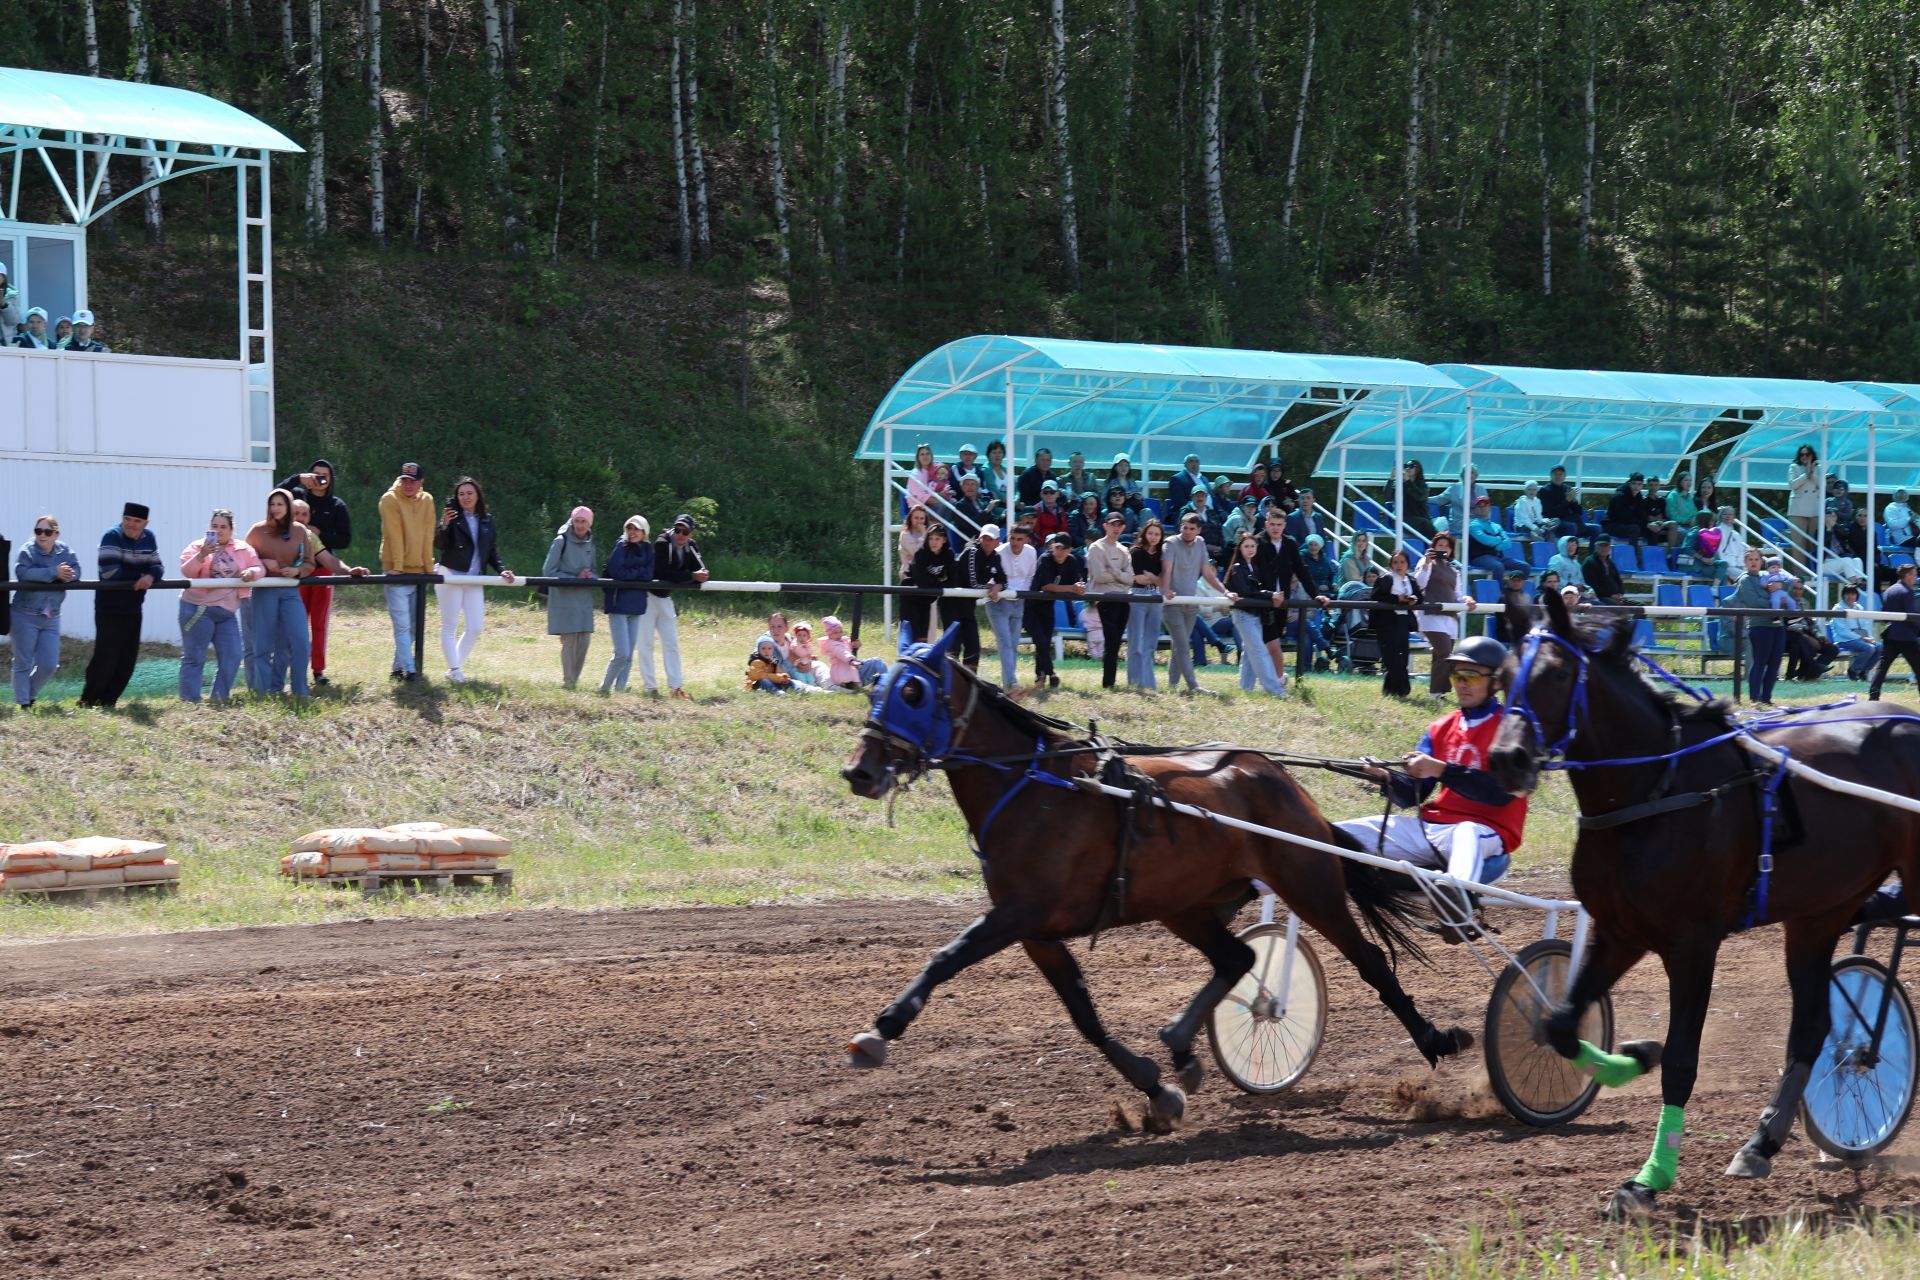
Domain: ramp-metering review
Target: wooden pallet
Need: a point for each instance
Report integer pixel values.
(371, 883)
(75, 894)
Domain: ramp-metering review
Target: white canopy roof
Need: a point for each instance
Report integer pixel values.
(57, 103)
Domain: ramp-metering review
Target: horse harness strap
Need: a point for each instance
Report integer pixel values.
(1669, 804)
(1032, 773)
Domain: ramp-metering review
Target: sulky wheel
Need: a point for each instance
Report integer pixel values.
(1532, 1081)
(1266, 1030)
(1858, 1097)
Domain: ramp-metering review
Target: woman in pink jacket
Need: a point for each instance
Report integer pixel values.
(211, 615)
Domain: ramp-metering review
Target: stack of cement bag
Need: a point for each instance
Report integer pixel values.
(407, 848)
(83, 863)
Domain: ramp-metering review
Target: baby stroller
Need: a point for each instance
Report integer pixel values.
(1356, 644)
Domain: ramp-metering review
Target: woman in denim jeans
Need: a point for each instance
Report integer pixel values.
(210, 615)
(1143, 620)
(36, 614)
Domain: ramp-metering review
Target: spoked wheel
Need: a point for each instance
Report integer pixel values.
(1532, 1081)
(1266, 1030)
(1858, 1099)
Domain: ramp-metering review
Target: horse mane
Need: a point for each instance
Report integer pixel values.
(1599, 639)
(1054, 731)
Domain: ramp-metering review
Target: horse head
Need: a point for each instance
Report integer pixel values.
(910, 724)
(1546, 681)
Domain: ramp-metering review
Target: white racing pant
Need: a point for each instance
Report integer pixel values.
(1460, 849)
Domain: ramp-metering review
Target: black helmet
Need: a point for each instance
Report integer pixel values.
(1480, 651)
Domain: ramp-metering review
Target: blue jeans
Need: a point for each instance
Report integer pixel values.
(1004, 617)
(201, 625)
(36, 653)
(872, 669)
(1861, 655)
(1767, 646)
(400, 611)
(1256, 664)
(626, 629)
(280, 644)
(1143, 637)
(1495, 566)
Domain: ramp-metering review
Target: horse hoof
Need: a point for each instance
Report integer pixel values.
(1190, 1076)
(867, 1051)
(1629, 1203)
(1645, 1052)
(1748, 1163)
(1165, 1109)
(1445, 1044)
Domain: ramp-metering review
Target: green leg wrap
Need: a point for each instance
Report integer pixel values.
(1610, 1069)
(1658, 1173)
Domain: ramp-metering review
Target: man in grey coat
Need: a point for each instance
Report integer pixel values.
(1187, 561)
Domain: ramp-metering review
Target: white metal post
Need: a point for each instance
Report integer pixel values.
(886, 524)
(1400, 479)
(1013, 505)
(1463, 536)
(1820, 525)
(1745, 526)
(1872, 546)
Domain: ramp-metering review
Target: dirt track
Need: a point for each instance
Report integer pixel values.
(661, 1094)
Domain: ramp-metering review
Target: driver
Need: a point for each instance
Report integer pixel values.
(1470, 827)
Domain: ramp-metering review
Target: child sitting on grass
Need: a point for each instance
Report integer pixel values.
(846, 669)
(763, 668)
(800, 656)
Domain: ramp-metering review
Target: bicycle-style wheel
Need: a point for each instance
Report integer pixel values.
(1858, 1098)
(1532, 1081)
(1264, 1035)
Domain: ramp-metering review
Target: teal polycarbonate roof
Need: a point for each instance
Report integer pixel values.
(1602, 425)
(57, 103)
(1154, 403)
(1893, 413)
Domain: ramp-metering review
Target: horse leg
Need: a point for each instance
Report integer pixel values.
(1809, 969)
(989, 935)
(1689, 988)
(1605, 963)
(1166, 1103)
(1322, 904)
(1232, 959)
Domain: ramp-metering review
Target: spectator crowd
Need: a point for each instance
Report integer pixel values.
(34, 329)
(1035, 542)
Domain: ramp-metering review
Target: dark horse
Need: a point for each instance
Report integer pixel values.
(1669, 853)
(1050, 851)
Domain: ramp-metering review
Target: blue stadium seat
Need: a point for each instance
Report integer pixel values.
(1653, 560)
(1778, 531)
(1153, 505)
(1435, 510)
(1542, 552)
(1646, 639)
(1897, 558)
(1486, 591)
(1370, 517)
(1700, 596)
(1623, 558)
(1668, 594)
(1499, 515)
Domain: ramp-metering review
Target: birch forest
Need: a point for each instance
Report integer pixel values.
(1719, 185)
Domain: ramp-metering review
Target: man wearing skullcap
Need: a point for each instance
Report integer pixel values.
(128, 553)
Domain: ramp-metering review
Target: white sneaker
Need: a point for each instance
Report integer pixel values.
(456, 676)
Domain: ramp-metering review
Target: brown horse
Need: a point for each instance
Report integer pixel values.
(1671, 844)
(1051, 855)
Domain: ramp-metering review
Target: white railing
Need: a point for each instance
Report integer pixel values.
(55, 404)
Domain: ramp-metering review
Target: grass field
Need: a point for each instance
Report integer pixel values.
(1813, 1247)
(610, 801)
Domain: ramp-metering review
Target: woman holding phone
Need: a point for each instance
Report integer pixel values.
(211, 615)
(466, 544)
(279, 642)
(1439, 581)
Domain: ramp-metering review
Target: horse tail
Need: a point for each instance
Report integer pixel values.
(1389, 902)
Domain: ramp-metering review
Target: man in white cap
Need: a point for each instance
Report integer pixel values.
(34, 336)
(83, 339)
(977, 566)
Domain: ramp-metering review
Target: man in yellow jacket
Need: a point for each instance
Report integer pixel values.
(406, 546)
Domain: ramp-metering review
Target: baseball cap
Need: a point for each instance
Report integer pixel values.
(1060, 540)
(83, 316)
(412, 471)
(683, 521)
(967, 448)
(1115, 517)
(990, 531)
(36, 311)
(1048, 485)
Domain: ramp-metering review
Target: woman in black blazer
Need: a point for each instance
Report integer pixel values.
(464, 544)
(1395, 626)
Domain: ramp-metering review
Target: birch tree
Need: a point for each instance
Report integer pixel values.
(777, 160)
(143, 71)
(1586, 168)
(702, 232)
(1416, 87)
(92, 31)
(497, 123)
(837, 140)
(906, 145)
(289, 54)
(599, 109)
(1546, 176)
(1062, 144)
(1211, 162)
(1300, 116)
(679, 141)
(377, 131)
(316, 124)
(423, 17)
